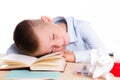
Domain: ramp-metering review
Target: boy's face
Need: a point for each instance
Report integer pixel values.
(52, 38)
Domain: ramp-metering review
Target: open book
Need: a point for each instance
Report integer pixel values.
(53, 61)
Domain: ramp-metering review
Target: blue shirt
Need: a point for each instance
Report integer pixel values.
(82, 39)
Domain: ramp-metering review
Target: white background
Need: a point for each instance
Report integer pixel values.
(104, 16)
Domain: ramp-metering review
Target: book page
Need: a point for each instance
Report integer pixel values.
(28, 60)
(53, 61)
(57, 64)
(50, 56)
(50, 62)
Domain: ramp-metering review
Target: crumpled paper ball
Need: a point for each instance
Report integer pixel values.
(100, 63)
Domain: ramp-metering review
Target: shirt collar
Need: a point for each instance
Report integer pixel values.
(71, 29)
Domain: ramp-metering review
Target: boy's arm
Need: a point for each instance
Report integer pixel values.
(91, 41)
(77, 56)
(89, 36)
(82, 56)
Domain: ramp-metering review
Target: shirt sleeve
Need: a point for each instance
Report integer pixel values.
(82, 56)
(91, 41)
(90, 36)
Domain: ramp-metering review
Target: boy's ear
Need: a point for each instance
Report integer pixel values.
(46, 19)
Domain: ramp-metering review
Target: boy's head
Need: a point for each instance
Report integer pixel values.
(25, 38)
(39, 37)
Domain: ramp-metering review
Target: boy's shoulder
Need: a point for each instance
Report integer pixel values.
(70, 19)
(13, 50)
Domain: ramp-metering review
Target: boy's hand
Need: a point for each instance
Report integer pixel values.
(68, 56)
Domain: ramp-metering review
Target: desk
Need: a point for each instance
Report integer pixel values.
(68, 74)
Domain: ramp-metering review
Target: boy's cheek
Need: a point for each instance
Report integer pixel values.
(116, 69)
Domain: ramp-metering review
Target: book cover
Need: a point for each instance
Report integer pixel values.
(26, 74)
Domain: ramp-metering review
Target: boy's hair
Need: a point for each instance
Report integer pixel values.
(25, 38)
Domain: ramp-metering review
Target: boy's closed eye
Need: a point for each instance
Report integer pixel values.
(53, 37)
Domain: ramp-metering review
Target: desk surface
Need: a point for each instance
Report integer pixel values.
(69, 73)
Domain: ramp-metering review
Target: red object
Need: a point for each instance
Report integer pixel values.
(116, 70)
